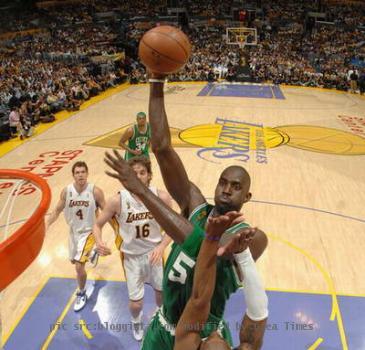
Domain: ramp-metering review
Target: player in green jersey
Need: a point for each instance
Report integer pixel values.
(178, 274)
(231, 192)
(138, 137)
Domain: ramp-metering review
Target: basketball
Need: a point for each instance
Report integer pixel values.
(164, 49)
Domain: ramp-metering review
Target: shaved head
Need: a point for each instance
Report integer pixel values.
(240, 172)
(233, 189)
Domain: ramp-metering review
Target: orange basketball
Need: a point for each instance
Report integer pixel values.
(164, 49)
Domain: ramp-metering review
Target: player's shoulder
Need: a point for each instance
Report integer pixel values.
(96, 189)
(200, 211)
(237, 227)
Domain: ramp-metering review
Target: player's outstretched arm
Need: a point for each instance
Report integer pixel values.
(176, 226)
(172, 169)
(111, 208)
(57, 210)
(254, 322)
(197, 309)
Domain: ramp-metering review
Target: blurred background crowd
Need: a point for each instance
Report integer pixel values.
(57, 54)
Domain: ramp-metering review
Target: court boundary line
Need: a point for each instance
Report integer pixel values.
(41, 287)
(336, 311)
(24, 311)
(60, 318)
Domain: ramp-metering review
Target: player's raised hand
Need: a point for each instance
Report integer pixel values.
(123, 172)
(218, 224)
(239, 242)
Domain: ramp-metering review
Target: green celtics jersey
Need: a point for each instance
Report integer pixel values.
(179, 272)
(139, 141)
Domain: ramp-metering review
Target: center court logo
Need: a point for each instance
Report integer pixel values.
(229, 139)
(232, 139)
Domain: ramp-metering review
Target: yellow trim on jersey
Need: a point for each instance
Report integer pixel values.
(122, 260)
(114, 223)
(89, 244)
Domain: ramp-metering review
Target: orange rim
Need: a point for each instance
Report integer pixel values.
(19, 250)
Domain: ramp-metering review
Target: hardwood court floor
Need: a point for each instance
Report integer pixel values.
(305, 154)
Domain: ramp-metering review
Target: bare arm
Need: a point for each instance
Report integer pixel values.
(110, 209)
(176, 226)
(158, 252)
(57, 210)
(99, 197)
(166, 198)
(172, 169)
(197, 309)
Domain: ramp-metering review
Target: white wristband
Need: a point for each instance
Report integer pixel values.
(243, 257)
(156, 81)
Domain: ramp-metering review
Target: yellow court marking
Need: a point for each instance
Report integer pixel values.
(85, 330)
(58, 322)
(313, 292)
(8, 146)
(233, 134)
(112, 138)
(315, 345)
(24, 311)
(323, 139)
(335, 312)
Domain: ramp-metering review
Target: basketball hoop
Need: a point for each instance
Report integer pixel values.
(241, 36)
(241, 40)
(22, 247)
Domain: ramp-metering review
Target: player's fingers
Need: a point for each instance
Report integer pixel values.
(110, 163)
(109, 156)
(240, 218)
(118, 156)
(220, 251)
(116, 176)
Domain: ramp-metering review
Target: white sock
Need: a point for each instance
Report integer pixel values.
(253, 288)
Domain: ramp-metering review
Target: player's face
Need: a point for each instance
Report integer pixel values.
(231, 192)
(80, 175)
(142, 173)
(141, 121)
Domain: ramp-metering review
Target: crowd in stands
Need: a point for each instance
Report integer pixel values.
(74, 54)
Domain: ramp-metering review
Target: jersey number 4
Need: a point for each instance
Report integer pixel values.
(79, 214)
(143, 231)
(181, 265)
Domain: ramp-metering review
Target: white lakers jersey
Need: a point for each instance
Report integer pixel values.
(80, 209)
(137, 227)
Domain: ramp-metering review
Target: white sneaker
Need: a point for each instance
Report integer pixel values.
(81, 299)
(137, 330)
(94, 258)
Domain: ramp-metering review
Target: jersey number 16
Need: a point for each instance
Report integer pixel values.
(143, 231)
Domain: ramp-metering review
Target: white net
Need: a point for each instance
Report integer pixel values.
(17, 204)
